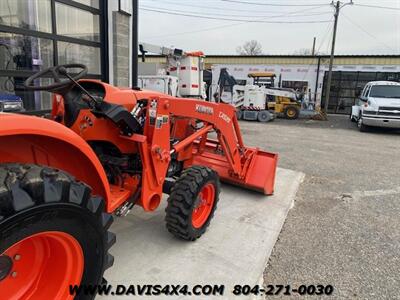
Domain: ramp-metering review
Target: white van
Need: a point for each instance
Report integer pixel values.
(378, 106)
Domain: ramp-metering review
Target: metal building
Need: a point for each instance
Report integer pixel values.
(350, 73)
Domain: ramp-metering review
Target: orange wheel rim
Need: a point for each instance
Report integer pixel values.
(43, 267)
(203, 210)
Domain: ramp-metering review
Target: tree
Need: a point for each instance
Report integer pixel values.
(250, 48)
(302, 51)
(306, 51)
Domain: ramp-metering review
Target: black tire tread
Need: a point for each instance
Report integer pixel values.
(296, 108)
(264, 120)
(180, 203)
(24, 186)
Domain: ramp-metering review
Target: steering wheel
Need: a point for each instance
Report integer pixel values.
(58, 73)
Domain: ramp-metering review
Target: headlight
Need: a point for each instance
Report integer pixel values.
(12, 106)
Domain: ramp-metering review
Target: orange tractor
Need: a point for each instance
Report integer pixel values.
(105, 150)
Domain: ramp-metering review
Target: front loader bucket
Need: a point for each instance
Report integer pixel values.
(259, 167)
(261, 173)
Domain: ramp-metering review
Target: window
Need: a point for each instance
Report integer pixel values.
(385, 91)
(93, 3)
(368, 76)
(14, 86)
(301, 86)
(364, 91)
(367, 91)
(27, 14)
(125, 6)
(77, 23)
(347, 87)
(69, 53)
(37, 34)
(22, 52)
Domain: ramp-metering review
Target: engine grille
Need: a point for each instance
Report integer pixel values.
(389, 108)
(368, 113)
(389, 113)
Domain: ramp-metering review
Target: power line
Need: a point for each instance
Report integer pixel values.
(231, 25)
(330, 35)
(241, 16)
(368, 33)
(212, 7)
(228, 19)
(221, 8)
(196, 31)
(377, 6)
(271, 4)
(326, 33)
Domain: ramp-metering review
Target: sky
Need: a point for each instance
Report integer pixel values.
(362, 30)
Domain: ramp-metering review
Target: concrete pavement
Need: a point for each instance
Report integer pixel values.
(234, 249)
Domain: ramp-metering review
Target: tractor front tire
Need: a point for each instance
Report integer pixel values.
(291, 112)
(53, 234)
(192, 202)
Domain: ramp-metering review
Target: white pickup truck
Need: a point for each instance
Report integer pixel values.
(378, 106)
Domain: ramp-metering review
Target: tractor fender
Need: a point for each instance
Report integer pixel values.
(28, 139)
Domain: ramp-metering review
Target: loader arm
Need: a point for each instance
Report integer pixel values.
(222, 119)
(234, 162)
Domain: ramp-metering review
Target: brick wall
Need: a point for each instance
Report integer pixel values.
(121, 48)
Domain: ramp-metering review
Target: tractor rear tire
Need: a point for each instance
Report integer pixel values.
(53, 234)
(192, 202)
(291, 112)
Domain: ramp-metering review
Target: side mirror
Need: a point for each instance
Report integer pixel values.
(363, 99)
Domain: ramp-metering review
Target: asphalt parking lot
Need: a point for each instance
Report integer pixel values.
(344, 229)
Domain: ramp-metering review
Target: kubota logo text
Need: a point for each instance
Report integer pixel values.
(204, 109)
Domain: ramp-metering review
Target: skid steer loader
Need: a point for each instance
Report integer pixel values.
(258, 98)
(105, 150)
(281, 101)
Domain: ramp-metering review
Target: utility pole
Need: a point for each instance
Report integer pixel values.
(313, 46)
(135, 46)
(328, 91)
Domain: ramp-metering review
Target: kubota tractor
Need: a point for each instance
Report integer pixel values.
(104, 150)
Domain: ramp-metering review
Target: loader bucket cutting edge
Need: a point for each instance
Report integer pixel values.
(260, 175)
